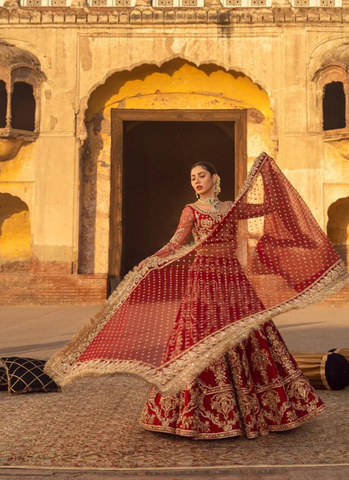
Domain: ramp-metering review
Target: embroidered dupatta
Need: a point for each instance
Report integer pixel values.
(190, 302)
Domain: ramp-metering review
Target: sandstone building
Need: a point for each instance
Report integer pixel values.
(105, 104)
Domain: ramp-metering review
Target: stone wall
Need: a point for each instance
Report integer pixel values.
(285, 54)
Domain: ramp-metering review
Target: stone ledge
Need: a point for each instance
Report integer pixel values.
(31, 289)
(149, 15)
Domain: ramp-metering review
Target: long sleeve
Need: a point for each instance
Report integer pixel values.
(251, 210)
(181, 235)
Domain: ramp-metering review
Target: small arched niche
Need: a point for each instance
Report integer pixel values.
(332, 88)
(333, 106)
(338, 226)
(15, 231)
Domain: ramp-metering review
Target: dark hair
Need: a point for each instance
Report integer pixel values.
(205, 165)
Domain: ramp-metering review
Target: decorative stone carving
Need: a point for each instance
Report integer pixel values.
(20, 73)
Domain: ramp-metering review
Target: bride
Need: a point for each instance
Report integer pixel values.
(195, 318)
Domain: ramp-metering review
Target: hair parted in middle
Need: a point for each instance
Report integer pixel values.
(206, 166)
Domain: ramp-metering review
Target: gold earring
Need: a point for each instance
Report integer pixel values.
(217, 186)
(197, 195)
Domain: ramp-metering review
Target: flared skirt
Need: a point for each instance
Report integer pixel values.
(254, 389)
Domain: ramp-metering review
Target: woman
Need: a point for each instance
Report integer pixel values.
(195, 319)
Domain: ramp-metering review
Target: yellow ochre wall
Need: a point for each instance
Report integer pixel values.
(184, 85)
(14, 229)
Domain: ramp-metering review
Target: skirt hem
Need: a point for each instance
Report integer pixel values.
(234, 433)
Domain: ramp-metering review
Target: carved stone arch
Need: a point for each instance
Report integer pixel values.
(81, 131)
(334, 49)
(330, 71)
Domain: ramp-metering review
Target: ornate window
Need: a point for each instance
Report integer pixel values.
(329, 104)
(20, 83)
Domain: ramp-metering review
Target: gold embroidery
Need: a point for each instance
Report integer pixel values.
(280, 352)
(259, 358)
(234, 404)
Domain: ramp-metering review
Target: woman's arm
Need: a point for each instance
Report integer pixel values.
(252, 210)
(180, 237)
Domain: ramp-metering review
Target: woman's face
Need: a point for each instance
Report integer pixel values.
(201, 180)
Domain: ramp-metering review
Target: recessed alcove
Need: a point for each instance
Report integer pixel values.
(23, 107)
(338, 226)
(334, 106)
(15, 230)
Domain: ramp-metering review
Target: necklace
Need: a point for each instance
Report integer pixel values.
(211, 201)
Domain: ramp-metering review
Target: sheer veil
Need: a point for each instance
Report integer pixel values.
(190, 303)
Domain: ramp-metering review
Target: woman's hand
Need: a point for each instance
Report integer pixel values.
(142, 264)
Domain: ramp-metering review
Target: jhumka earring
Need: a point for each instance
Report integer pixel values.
(217, 186)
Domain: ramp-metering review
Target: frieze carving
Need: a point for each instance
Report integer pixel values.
(178, 15)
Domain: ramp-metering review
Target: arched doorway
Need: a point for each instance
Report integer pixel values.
(212, 95)
(152, 153)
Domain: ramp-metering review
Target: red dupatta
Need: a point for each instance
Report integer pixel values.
(190, 303)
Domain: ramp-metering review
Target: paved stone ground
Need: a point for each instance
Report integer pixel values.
(39, 332)
(276, 473)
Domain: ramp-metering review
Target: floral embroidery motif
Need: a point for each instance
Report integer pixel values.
(238, 394)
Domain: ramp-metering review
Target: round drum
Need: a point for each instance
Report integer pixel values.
(328, 371)
(341, 351)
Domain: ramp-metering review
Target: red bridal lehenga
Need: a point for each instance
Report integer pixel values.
(196, 319)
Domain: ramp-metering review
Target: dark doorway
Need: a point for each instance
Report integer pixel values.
(152, 152)
(23, 107)
(3, 104)
(333, 106)
(156, 185)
